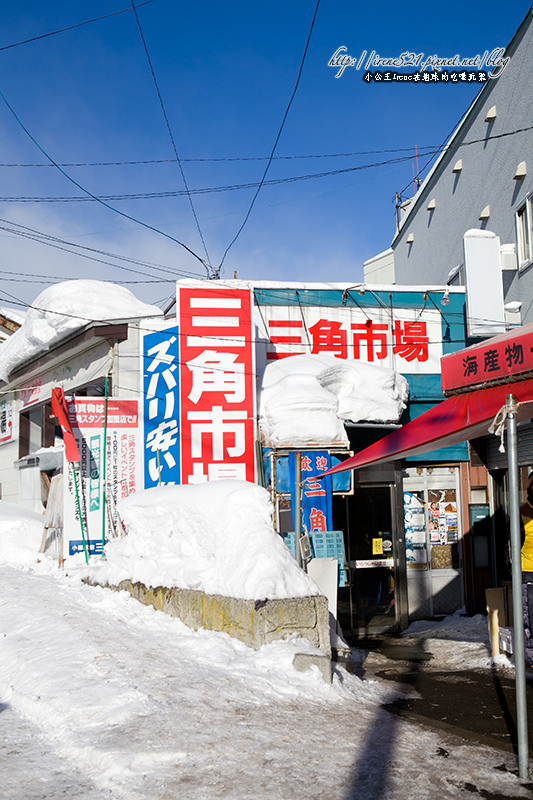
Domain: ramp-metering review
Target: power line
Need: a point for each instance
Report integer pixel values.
(219, 159)
(272, 182)
(261, 182)
(31, 277)
(94, 197)
(171, 135)
(71, 27)
(205, 190)
(54, 241)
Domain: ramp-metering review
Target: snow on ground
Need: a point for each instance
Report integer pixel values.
(457, 642)
(306, 399)
(102, 697)
(21, 532)
(64, 308)
(216, 537)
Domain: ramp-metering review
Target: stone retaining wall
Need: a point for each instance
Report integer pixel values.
(255, 623)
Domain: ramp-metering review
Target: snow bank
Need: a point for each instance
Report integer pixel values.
(215, 537)
(305, 399)
(64, 308)
(21, 532)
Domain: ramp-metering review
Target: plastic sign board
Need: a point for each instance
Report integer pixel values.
(122, 469)
(160, 392)
(6, 420)
(316, 505)
(216, 383)
(496, 360)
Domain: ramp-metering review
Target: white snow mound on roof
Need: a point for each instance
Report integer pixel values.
(64, 308)
(306, 399)
(215, 537)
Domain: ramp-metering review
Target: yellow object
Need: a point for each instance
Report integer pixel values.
(377, 547)
(527, 547)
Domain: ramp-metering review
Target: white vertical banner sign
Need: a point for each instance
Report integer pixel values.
(123, 470)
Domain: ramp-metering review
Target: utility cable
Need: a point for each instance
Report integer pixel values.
(269, 162)
(54, 241)
(169, 129)
(71, 27)
(94, 197)
(239, 186)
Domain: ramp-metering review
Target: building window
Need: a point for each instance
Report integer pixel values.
(36, 429)
(524, 233)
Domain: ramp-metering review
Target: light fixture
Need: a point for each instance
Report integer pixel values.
(485, 214)
(431, 205)
(457, 167)
(491, 114)
(521, 171)
(362, 289)
(445, 298)
(410, 239)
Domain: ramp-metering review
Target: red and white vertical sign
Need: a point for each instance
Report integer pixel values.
(217, 384)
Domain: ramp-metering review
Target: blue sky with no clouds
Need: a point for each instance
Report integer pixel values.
(225, 72)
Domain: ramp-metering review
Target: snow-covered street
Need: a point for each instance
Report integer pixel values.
(103, 697)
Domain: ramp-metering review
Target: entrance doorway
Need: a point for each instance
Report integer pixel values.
(368, 605)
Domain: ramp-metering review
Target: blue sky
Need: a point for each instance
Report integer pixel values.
(226, 72)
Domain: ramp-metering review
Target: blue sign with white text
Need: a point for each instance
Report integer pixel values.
(161, 408)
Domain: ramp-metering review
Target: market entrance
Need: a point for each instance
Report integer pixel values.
(374, 599)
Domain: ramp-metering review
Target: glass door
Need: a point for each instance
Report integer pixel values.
(370, 603)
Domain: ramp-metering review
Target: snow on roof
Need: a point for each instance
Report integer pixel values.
(14, 314)
(306, 399)
(215, 537)
(64, 308)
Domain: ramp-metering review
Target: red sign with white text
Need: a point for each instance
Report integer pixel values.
(88, 412)
(217, 384)
(495, 360)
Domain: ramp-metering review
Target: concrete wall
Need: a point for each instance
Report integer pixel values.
(253, 622)
(486, 179)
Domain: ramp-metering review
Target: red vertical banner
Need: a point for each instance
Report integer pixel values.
(217, 383)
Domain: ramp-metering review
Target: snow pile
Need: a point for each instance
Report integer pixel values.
(64, 308)
(305, 399)
(457, 642)
(21, 532)
(215, 537)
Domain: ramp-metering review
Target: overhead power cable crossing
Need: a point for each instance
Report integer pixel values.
(171, 135)
(72, 27)
(93, 196)
(238, 186)
(261, 182)
(54, 241)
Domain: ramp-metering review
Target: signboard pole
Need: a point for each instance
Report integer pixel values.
(519, 652)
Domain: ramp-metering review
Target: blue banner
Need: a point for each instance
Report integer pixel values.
(316, 494)
(161, 441)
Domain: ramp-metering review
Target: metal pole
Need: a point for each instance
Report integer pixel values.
(298, 503)
(519, 651)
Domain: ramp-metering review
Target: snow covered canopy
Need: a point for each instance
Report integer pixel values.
(64, 308)
(215, 537)
(306, 399)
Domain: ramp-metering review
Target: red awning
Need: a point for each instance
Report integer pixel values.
(465, 416)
